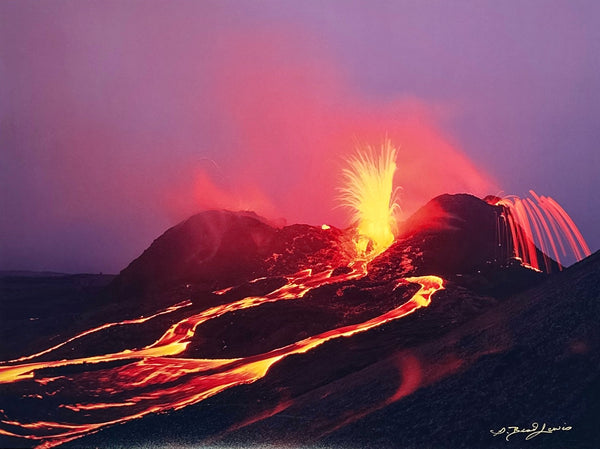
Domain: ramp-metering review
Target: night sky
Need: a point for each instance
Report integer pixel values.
(118, 119)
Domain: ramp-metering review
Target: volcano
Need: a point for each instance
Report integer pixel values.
(229, 331)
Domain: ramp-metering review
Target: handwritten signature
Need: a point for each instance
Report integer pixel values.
(533, 432)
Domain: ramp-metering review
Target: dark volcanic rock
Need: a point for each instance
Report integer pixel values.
(450, 234)
(210, 247)
(457, 235)
(36, 307)
(217, 249)
(535, 357)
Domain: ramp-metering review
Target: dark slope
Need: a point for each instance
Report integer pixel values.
(457, 235)
(451, 234)
(550, 372)
(35, 308)
(210, 247)
(217, 249)
(454, 234)
(533, 357)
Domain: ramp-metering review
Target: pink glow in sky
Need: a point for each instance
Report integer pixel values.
(119, 119)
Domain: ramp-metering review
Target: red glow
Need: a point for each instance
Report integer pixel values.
(288, 124)
(412, 375)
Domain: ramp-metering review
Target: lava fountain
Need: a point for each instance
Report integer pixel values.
(369, 192)
(539, 222)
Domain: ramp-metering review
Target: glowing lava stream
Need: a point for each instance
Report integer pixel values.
(176, 339)
(153, 382)
(100, 328)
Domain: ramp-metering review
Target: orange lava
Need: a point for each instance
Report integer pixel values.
(541, 222)
(155, 380)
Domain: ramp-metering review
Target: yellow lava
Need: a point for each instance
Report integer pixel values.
(369, 192)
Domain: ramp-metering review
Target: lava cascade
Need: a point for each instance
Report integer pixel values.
(538, 222)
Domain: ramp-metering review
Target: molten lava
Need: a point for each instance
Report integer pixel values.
(369, 192)
(539, 223)
(153, 379)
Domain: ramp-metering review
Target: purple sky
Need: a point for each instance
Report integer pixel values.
(118, 119)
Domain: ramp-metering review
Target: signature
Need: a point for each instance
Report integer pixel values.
(532, 432)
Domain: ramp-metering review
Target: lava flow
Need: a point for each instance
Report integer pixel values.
(152, 379)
